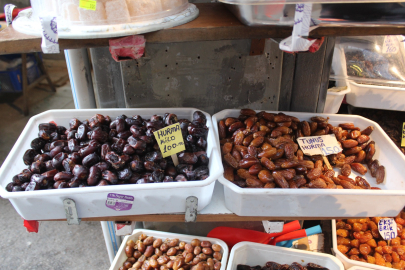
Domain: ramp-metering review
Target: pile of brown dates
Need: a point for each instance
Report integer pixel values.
(102, 151)
(154, 253)
(259, 150)
(277, 266)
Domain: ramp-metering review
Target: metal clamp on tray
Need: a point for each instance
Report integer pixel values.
(71, 212)
(191, 209)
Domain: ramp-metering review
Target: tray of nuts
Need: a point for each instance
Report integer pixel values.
(265, 172)
(109, 163)
(357, 243)
(253, 256)
(147, 249)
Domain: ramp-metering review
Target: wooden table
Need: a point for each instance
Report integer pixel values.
(215, 22)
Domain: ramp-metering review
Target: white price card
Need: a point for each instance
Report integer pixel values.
(319, 145)
(390, 45)
(273, 227)
(387, 228)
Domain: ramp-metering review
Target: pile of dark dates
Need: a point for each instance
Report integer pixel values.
(101, 151)
(260, 150)
(277, 266)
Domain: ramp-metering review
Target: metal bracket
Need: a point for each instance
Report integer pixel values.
(191, 209)
(71, 212)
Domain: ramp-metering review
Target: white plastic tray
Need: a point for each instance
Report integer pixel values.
(90, 201)
(376, 97)
(28, 24)
(351, 264)
(120, 258)
(252, 254)
(325, 202)
(334, 100)
(360, 268)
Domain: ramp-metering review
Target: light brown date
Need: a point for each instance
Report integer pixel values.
(349, 143)
(317, 183)
(231, 161)
(354, 134)
(268, 163)
(257, 142)
(314, 173)
(227, 148)
(363, 139)
(380, 174)
(280, 180)
(265, 176)
(360, 168)
(248, 162)
(360, 156)
(353, 150)
(222, 129)
(254, 183)
(247, 112)
(346, 170)
(255, 169)
(367, 131)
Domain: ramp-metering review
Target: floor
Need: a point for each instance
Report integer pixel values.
(56, 245)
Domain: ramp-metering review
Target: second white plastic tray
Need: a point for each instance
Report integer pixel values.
(325, 202)
(252, 254)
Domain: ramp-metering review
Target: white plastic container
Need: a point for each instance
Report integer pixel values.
(351, 264)
(155, 198)
(334, 100)
(376, 97)
(338, 74)
(252, 254)
(108, 12)
(120, 258)
(325, 202)
(374, 67)
(28, 21)
(359, 268)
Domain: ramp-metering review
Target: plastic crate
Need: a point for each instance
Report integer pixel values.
(11, 80)
(6, 85)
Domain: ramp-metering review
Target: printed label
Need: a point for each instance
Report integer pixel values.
(403, 135)
(88, 4)
(8, 11)
(273, 227)
(387, 228)
(390, 45)
(50, 43)
(170, 140)
(119, 202)
(319, 145)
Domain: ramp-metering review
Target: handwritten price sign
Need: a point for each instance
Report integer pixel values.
(390, 45)
(170, 140)
(387, 228)
(319, 145)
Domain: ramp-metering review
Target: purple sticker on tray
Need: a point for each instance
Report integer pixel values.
(119, 202)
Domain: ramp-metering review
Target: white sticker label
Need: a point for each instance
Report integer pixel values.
(319, 145)
(387, 228)
(273, 227)
(8, 11)
(298, 41)
(50, 43)
(390, 45)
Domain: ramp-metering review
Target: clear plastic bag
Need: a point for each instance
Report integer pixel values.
(376, 60)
